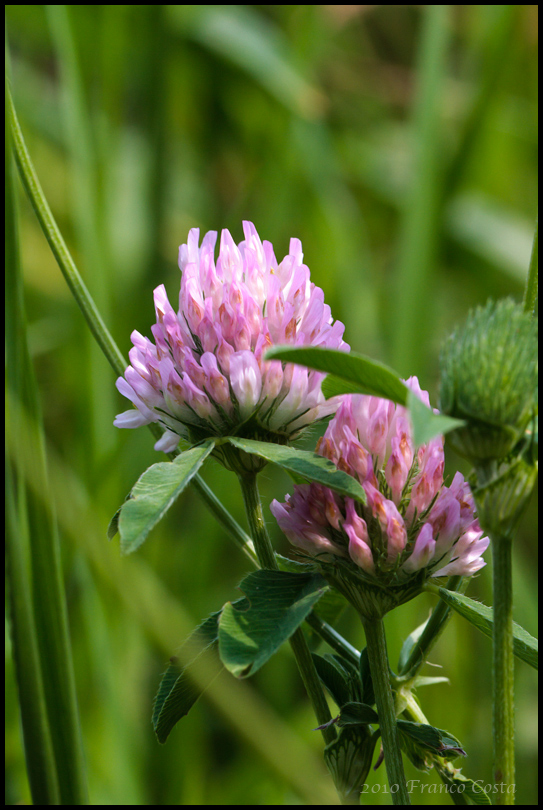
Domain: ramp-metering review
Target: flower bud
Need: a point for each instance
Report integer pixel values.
(489, 379)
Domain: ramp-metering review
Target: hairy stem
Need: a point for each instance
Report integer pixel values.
(378, 659)
(503, 721)
(266, 557)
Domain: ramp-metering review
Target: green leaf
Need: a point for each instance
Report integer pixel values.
(333, 386)
(365, 376)
(278, 603)
(408, 645)
(351, 692)
(329, 607)
(154, 493)
(352, 373)
(334, 677)
(525, 646)
(182, 684)
(310, 466)
(427, 424)
(357, 714)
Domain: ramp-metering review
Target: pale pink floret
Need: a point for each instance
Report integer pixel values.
(359, 542)
(411, 521)
(206, 370)
(300, 528)
(423, 550)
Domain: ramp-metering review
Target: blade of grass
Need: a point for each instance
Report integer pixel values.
(39, 758)
(497, 41)
(421, 205)
(40, 762)
(154, 125)
(40, 627)
(87, 219)
(245, 37)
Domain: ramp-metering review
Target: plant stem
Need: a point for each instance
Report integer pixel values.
(266, 557)
(503, 721)
(378, 659)
(334, 640)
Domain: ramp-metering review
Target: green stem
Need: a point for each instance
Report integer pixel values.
(334, 640)
(222, 515)
(503, 721)
(384, 699)
(266, 557)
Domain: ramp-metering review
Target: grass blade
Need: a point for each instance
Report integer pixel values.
(39, 757)
(40, 628)
(421, 206)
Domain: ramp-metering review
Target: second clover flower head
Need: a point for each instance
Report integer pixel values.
(204, 373)
(413, 526)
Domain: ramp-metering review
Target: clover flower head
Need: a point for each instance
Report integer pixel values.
(204, 372)
(412, 527)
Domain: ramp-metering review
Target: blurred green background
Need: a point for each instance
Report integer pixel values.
(399, 143)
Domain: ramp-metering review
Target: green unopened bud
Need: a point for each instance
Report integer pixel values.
(489, 379)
